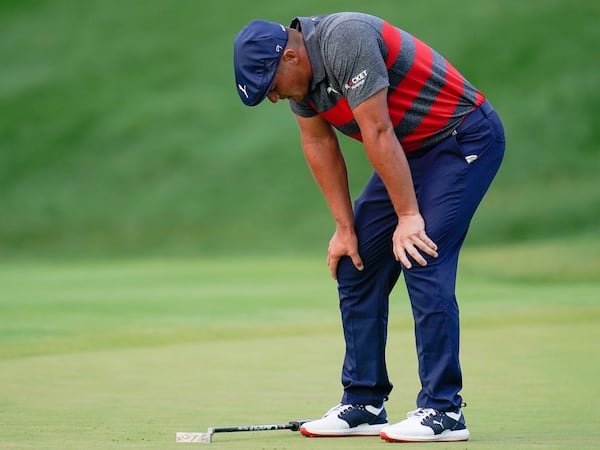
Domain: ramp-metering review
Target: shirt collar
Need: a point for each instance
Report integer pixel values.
(308, 27)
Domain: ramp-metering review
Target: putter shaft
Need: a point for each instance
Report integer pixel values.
(207, 437)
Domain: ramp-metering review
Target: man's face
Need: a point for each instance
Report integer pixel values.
(289, 82)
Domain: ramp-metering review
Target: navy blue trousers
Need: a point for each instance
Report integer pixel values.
(450, 180)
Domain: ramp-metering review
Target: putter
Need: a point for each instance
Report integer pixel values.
(206, 438)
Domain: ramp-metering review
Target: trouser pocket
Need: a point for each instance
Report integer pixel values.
(480, 132)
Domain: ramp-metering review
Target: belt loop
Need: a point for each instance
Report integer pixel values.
(486, 108)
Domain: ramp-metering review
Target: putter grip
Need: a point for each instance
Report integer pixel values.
(293, 426)
(251, 428)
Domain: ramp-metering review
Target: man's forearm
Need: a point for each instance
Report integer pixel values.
(387, 158)
(385, 152)
(329, 170)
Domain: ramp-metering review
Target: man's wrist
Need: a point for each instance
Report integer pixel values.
(408, 213)
(345, 227)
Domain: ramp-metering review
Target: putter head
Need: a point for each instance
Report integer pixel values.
(202, 438)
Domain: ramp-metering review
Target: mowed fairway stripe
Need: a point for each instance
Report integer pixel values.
(132, 352)
(141, 396)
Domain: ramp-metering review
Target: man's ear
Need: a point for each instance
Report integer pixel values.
(290, 56)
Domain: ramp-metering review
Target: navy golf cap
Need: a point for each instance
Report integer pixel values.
(257, 50)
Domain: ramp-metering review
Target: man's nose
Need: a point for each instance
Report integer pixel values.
(273, 97)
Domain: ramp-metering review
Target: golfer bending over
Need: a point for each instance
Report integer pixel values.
(435, 144)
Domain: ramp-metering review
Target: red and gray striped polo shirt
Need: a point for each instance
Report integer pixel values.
(355, 55)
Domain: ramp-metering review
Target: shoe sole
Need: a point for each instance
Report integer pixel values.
(361, 430)
(446, 436)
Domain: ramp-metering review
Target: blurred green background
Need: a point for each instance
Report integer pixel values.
(121, 132)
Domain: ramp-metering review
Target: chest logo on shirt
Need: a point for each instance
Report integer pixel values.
(357, 80)
(331, 90)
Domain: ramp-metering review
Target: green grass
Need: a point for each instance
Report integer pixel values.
(121, 130)
(124, 353)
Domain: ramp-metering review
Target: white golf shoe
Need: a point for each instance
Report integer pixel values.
(347, 420)
(425, 425)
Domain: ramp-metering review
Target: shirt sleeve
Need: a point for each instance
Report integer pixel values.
(352, 52)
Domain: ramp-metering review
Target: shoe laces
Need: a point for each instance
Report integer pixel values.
(340, 408)
(422, 413)
(337, 409)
